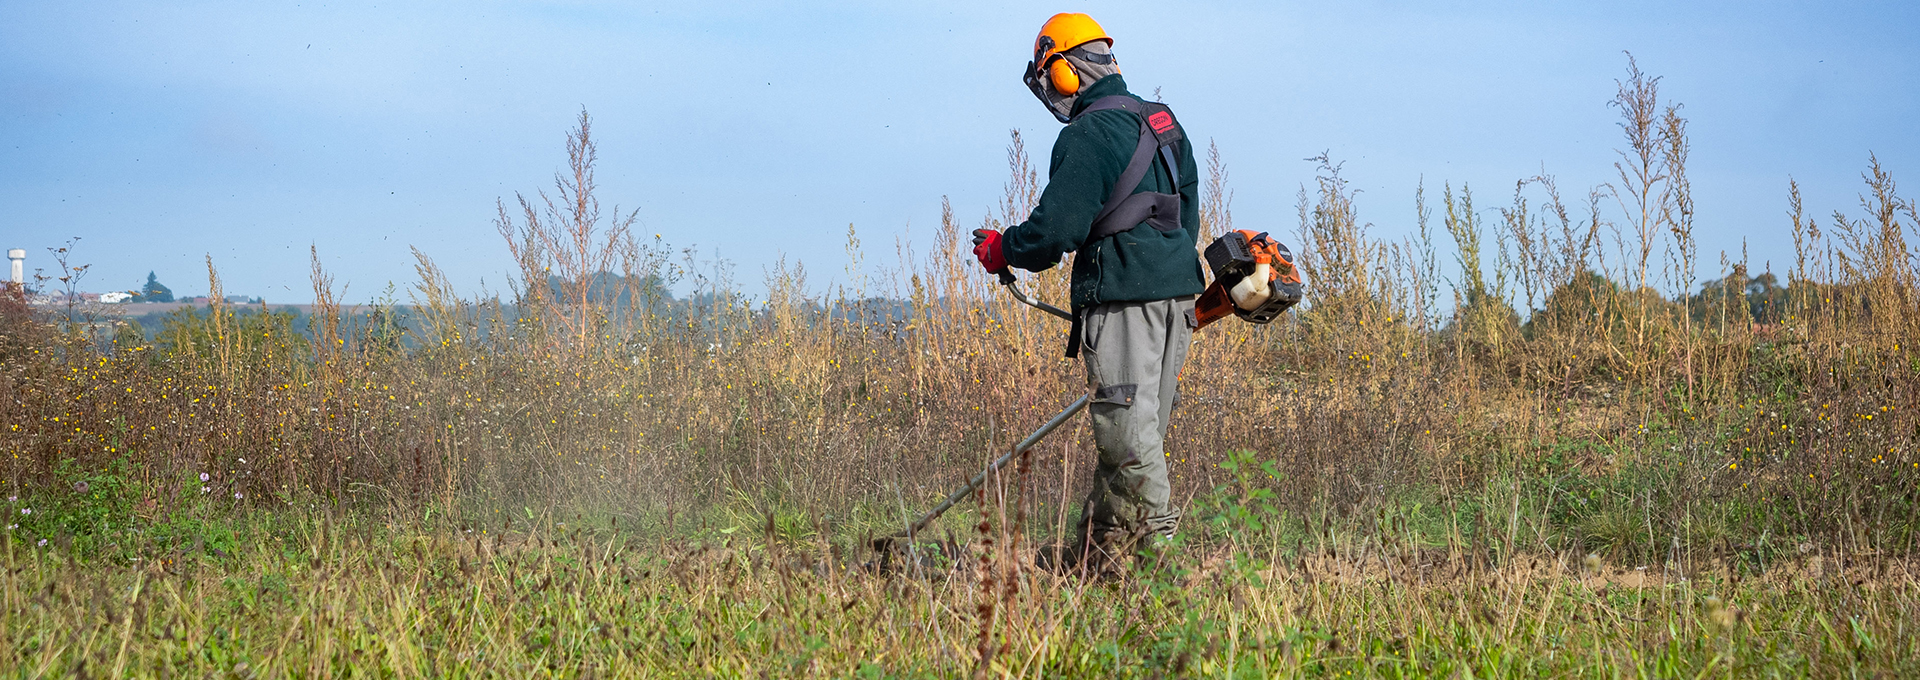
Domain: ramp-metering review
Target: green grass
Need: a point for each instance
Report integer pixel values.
(1420, 588)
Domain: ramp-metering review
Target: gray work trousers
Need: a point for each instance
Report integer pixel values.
(1134, 351)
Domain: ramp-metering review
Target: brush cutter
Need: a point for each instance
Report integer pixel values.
(1253, 278)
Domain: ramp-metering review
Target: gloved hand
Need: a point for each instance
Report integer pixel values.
(986, 247)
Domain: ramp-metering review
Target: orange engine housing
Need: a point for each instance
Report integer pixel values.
(1237, 255)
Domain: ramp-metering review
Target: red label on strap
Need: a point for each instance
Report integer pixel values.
(1160, 122)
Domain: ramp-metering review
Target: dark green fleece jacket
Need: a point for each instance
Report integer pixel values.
(1138, 265)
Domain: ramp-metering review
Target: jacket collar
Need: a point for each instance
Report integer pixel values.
(1105, 87)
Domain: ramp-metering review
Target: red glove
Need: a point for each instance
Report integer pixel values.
(986, 247)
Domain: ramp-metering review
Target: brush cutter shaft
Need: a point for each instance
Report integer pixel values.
(981, 478)
(1006, 279)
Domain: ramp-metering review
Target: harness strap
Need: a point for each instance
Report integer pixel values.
(1124, 209)
(1173, 166)
(1130, 178)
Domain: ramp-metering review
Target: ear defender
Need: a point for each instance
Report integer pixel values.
(1065, 80)
(1053, 80)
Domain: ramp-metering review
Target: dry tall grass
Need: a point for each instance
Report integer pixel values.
(1641, 427)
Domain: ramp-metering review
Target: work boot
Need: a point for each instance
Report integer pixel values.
(1057, 559)
(1096, 552)
(1156, 553)
(1063, 559)
(1106, 552)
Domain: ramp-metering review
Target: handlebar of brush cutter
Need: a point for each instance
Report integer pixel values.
(1013, 286)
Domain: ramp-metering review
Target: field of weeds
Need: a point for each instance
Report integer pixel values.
(309, 597)
(1523, 441)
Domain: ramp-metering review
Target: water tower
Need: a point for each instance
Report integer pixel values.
(19, 257)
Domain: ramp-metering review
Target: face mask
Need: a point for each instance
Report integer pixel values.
(1090, 62)
(1061, 106)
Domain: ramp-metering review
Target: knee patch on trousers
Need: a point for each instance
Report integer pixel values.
(1118, 395)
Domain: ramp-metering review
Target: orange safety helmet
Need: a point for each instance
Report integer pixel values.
(1063, 32)
(1060, 34)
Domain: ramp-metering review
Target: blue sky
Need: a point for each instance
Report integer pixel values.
(162, 133)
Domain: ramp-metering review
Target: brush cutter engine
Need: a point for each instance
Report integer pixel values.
(1253, 278)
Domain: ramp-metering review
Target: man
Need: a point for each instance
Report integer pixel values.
(1135, 272)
